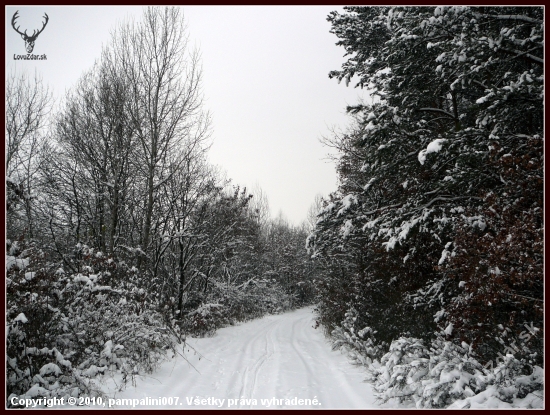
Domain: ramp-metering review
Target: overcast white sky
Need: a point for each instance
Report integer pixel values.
(265, 82)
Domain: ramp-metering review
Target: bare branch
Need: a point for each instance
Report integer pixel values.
(526, 54)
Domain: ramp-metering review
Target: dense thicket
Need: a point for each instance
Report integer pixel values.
(436, 228)
(121, 238)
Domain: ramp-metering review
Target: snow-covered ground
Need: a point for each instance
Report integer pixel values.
(277, 361)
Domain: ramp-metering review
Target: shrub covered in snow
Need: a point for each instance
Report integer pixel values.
(448, 375)
(228, 304)
(440, 375)
(508, 388)
(205, 320)
(360, 344)
(453, 373)
(65, 327)
(401, 370)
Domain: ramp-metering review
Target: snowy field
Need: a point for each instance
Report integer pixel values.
(278, 361)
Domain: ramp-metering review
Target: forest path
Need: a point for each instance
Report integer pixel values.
(271, 362)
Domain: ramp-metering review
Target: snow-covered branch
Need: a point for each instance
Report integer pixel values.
(510, 17)
(526, 54)
(383, 208)
(446, 199)
(439, 111)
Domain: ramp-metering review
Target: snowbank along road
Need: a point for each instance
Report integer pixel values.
(277, 361)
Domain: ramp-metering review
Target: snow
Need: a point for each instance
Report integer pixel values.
(279, 361)
(30, 275)
(487, 400)
(434, 147)
(93, 370)
(21, 317)
(19, 263)
(50, 368)
(347, 228)
(371, 181)
(495, 271)
(35, 391)
(371, 224)
(445, 254)
(406, 227)
(107, 350)
(347, 201)
(385, 71)
(81, 278)
(439, 315)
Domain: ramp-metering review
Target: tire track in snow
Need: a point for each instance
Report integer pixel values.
(311, 375)
(250, 375)
(340, 377)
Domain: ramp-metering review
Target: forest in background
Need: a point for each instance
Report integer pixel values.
(426, 264)
(432, 245)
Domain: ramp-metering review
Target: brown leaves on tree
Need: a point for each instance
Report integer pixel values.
(500, 270)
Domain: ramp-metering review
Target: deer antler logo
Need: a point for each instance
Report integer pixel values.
(29, 40)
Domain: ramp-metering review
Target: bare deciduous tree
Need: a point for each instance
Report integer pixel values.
(94, 131)
(28, 102)
(166, 104)
(313, 211)
(259, 205)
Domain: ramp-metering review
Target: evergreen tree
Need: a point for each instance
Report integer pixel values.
(454, 88)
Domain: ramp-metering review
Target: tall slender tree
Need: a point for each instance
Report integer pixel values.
(166, 109)
(28, 102)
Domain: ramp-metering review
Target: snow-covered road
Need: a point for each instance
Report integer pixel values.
(272, 362)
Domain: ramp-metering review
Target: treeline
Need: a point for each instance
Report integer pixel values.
(432, 245)
(121, 238)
